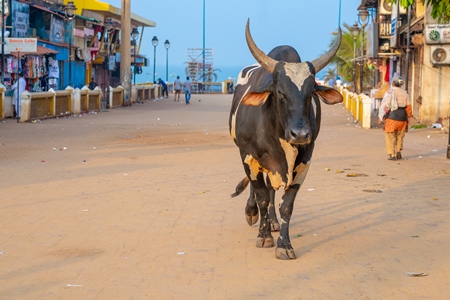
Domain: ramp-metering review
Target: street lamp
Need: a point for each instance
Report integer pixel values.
(154, 43)
(167, 46)
(134, 37)
(355, 32)
(362, 20)
(69, 11)
(109, 25)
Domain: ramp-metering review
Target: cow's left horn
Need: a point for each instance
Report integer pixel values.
(321, 62)
(265, 61)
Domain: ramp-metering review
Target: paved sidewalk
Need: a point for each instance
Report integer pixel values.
(135, 203)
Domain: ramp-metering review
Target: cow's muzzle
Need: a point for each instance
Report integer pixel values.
(299, 135)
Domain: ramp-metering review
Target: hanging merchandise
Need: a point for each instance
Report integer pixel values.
(53, 68)
(52, 83)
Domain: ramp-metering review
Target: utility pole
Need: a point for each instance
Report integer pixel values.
(125, 51)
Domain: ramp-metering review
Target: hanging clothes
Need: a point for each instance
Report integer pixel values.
(53, 68)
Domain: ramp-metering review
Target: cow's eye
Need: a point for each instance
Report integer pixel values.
(280, 93)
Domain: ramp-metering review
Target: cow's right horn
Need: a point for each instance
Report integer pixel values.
(321, 62)
(265, 61)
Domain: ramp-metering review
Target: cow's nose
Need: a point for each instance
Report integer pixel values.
(300, 135)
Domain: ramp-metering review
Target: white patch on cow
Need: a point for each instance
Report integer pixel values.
(291, 154)
(301, 170)
(233, 117)
(244, 80)
(297, 73)
(314, 106)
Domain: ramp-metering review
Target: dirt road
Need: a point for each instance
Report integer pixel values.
(134, 204)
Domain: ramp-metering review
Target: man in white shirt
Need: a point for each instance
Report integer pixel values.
(177, 88)
(338, 82)
(19, 87)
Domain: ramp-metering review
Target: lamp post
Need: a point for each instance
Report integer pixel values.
(109, 24)
(69, 11)
(134, 37)
(154, 43)
(355, 32)
(167, 46)
(363, 15)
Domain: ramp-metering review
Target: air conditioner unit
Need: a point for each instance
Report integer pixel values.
(440, 55)
(386, 8)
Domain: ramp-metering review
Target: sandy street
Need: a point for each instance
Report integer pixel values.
(135, 203)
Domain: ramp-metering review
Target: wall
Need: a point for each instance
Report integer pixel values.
(435, 90)
(435, 87)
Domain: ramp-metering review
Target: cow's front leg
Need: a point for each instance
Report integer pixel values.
(265, 239)
(275, 226)
(251, 209)
(284, 248)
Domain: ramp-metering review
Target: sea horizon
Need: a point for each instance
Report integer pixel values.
(222, 72)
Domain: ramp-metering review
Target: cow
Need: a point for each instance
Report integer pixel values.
(274, 121)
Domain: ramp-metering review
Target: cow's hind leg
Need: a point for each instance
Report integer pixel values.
(251, 209)
(275, 226)
(284, 248)
(265, 239)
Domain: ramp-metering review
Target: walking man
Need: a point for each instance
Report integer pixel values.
(177, 88)
(187, 90)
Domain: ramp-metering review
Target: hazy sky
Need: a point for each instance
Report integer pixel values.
(304, 24)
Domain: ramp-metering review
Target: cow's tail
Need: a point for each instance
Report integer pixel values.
(241, 186)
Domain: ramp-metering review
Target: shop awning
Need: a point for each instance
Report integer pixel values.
(40, 51)
(110, 11)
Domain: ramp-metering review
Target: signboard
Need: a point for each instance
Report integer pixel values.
(112, 62)
(437, 34)
(20, 45)
(20, 19)
(394, 19)
(56, 30)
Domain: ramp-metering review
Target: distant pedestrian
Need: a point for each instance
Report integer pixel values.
(92, 84)
(177, 88)
(187, 90)
(164, 86)
(395, 110)
(338, 82)
(331, 82)
(18, 87)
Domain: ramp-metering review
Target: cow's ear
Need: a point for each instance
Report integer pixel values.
(255, 99)
(328, 95)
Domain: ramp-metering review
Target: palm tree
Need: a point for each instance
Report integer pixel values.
(208, 75)
(343, 60)
(331, 73)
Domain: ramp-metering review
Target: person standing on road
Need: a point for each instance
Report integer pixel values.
(338, 82)
(395, 110)
(18, 87)
(177, 88)
(331, 82)
(187, 90)
(164, 86)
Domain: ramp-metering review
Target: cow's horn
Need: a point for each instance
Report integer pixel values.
(321, 62)
(265, 61)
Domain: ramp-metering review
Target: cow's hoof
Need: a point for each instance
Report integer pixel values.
(285, 253)
(275, 226)
(251, 220)
(264, 242)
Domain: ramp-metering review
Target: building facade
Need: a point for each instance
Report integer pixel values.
(69, 52)
(404, 41)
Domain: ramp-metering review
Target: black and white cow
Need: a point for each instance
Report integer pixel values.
(274, 120)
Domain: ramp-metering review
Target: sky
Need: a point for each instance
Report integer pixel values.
(304, 24)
